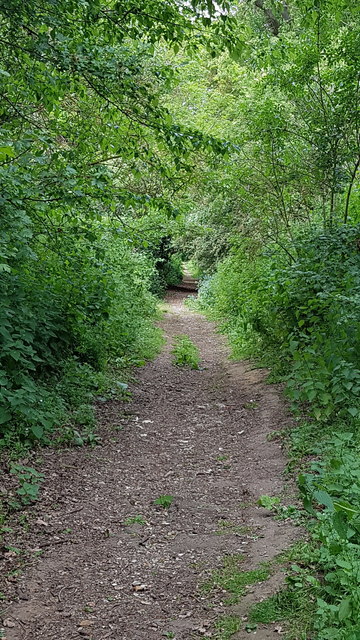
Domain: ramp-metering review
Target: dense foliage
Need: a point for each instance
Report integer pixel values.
(87, 162)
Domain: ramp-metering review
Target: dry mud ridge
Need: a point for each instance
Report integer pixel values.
(200, 436)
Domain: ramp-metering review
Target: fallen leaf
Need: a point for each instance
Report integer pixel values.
(86, 623)
(9, 623)
(138, 586)
(41, 522)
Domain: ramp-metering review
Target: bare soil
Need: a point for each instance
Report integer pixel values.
(199, 436)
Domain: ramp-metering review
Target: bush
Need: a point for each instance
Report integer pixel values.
(68, 309)
(306, 311)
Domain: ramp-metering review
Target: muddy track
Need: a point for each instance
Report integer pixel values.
(199, 436)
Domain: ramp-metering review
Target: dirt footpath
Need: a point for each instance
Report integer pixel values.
(108, 563)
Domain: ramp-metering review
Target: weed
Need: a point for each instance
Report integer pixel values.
(245, 505)
(24, 521)
(268, 502)
(2, 515)
(118, 427)
(6, 530)
(185, 352)
(134, 520)
(15, 550)
(251, 405)
(164, 501)
(75, 437)
(281, 512)
(88, 608)
(276, 435)
(227, 527)
(298, 552)
(29, 480)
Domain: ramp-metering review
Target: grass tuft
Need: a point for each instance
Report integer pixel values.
(231, 579)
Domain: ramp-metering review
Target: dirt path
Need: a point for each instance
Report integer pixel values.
(199, 436)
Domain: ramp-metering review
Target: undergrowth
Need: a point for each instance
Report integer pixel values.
(76, 311)
(301, 317)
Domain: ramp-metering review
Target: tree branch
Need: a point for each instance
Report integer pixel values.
(272, 21)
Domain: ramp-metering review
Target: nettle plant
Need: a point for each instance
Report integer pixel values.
(29, 481)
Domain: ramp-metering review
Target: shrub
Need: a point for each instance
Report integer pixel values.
(186, 353)
(66, 312)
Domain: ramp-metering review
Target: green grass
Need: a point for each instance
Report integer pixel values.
(295, 606)
(230, 578)
(226, 627)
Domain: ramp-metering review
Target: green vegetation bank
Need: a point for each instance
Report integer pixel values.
(273, 230)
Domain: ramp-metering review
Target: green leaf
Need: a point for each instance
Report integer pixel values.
(6, 152)
(268, 502)
(37, 431)
(5, 415)
(342, 505)
(344, 564)
(340, 525)
(322, 497)
(345, 609)
(308, 506)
